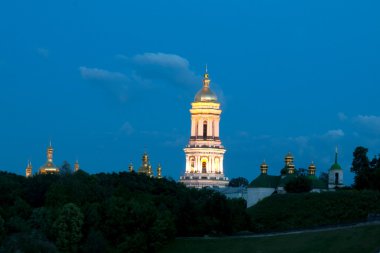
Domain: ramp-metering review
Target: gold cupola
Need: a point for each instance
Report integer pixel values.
(206, 94)
(159, 171)
(289, 158)
(130, 167)
(312, 169)
(264, 168)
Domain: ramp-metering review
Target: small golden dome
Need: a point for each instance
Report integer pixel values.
(264, 165)
(205, 94)
(312, 166)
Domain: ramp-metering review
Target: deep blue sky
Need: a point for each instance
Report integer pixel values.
(106, 80)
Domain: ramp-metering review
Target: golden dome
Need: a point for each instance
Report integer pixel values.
(205, 94)
(312, 166)
(264, 168)
(264, 165)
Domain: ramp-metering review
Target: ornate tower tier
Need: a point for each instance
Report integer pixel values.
(205, 152)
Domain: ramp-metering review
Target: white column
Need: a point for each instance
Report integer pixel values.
(209, 127)
(217, 127)
(187, 163)
(192, 126)
(221, 169)
(200, 127)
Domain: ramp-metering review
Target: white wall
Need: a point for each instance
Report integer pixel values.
(256, 194)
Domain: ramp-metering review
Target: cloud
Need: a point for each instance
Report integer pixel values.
(144, 74)
(44, 52)
(170, 68)
(101, 74)
(342, 116)
(336, 133)
(369, 122)
(127, 128)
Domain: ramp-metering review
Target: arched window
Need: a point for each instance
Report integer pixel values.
(336, 178)
(204, 129)
(204, 165)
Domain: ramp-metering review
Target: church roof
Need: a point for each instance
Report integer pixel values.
(264, 181)
(335, 166)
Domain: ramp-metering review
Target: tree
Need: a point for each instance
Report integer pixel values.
(68, 227)
(2, 229)
(324, 177)
(237, 182)
(361, 168)
(65, 168)
(298, 184)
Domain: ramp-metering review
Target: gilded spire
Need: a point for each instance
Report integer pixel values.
(76, 166)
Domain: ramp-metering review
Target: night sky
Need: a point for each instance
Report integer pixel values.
(108, 80)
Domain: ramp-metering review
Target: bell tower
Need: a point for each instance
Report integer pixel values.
(204, 152)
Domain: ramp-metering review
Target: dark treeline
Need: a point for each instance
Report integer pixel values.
(119, 212)
(367, 172)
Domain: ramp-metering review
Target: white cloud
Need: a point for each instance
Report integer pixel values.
(101, 74)
(342, 116)
(127, 128)
(169, 68)
(336, 133)
(369, 122)
(162, 59)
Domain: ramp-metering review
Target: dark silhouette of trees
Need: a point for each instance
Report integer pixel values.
(108, 212)
(298, 184)
(237, 182)
(367, 173)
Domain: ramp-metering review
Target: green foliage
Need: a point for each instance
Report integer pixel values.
(68, 228)
(117, 212)
(290, 211)
(298, 184)
(32, 241)
(367, 173)
(2, 229)
(65, 168)
(239, 181)
(324, 177)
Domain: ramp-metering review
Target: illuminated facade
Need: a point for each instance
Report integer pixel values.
(205, 152)
(49, 167)
(146, 167)
(28, 170)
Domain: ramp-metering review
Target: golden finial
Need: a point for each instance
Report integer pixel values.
(206, 80)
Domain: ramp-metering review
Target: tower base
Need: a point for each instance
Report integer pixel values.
(201, 180)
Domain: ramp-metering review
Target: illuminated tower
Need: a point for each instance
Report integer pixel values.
(335, 174)
(76, 166)
(130, 167)
(312, 169)
(28, 170)
(146, 168)
(264, 168)
(159, 171)
(204, 152)
(49, 167)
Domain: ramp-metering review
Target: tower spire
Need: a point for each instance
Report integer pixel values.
(336, 154)
(206, 80)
